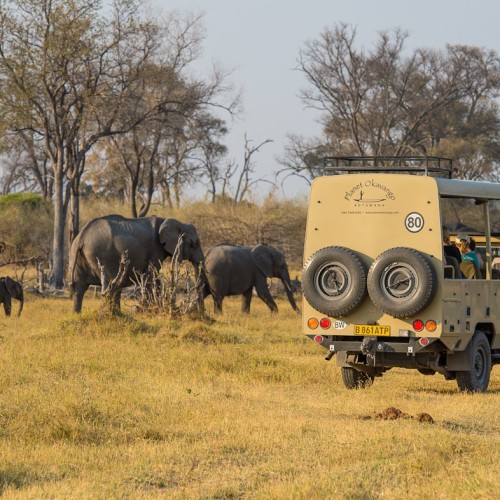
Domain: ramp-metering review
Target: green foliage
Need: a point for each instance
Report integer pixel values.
(25, 226)
(31, 201)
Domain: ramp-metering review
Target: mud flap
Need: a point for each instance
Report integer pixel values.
(459, 361)
(342, 359)
(368, 349)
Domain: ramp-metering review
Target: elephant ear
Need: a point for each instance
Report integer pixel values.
(169, 234)
(263, 259)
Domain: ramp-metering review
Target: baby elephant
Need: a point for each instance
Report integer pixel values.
(234, 270)
(9, 289)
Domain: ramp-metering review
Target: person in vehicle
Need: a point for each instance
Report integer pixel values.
(449, 248)
(463, 243)
(472, 246)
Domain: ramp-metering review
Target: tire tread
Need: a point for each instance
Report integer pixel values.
(311, 294)
(354, 379)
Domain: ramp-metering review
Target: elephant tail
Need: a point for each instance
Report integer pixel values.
(75, 253)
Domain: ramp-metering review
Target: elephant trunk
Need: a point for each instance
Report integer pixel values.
(289, 292)
(198, 258)
(21, 302)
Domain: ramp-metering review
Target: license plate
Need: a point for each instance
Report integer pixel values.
(372, 330)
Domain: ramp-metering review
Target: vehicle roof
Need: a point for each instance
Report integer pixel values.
(458, 188)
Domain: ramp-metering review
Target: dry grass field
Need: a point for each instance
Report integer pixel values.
(243, 407)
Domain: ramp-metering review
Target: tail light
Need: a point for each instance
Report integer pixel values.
(312, 323)
(325, 323)
(418, 325)
(430, 325)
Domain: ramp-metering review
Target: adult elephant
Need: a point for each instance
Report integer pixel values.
(235, 270)
(147, 240)
(11, 289)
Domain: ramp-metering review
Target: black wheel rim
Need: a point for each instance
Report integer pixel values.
(399, 281)
(332, 280)
(479, 368)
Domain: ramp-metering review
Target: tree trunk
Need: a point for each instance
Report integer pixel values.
(74, 223)
(146, 204)
(167, 195)
(132, 201)
(40, 277)
(177, 193)
(57, 278)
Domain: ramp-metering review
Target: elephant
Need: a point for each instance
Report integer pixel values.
(10, 289)
(236, 270)
(147, 240)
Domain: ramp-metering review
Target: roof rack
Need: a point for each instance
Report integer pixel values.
(435, 166)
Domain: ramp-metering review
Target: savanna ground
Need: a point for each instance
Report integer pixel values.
(144, 407)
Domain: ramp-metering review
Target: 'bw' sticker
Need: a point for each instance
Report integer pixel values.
(339, 325)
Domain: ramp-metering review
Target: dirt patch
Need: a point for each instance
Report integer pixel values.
(424, 417)
(392, 413)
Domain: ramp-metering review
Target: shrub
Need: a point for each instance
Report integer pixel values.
(26, 227)
(275, 222)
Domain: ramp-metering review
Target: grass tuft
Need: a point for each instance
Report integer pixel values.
(97, 323)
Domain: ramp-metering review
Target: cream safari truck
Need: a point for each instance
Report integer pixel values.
(379, 292)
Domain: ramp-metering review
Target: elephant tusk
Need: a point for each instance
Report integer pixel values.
(288, 287)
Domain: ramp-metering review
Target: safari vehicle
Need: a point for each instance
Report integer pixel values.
(379, 292)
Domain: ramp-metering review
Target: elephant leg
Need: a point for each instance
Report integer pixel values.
(79, 292)
(217, 303)
(7, 306)
(245, 302)
(264, 294)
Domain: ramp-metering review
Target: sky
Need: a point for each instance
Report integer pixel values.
(259, 40)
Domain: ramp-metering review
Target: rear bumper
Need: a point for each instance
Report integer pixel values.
(402, 345)
(377, 354)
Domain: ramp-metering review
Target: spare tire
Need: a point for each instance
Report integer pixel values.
(334, 281)
(402, 282)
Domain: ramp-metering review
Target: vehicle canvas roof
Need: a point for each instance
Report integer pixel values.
(458, 188)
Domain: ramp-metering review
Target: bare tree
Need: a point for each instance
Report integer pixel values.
(245, 175)
(210, 131)
(303, 158)
(75, 72)
(136, 152)
(25, 166)
(376, 102)
(61, 63)
(389, 101)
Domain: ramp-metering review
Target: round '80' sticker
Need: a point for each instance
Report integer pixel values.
(414, 222)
